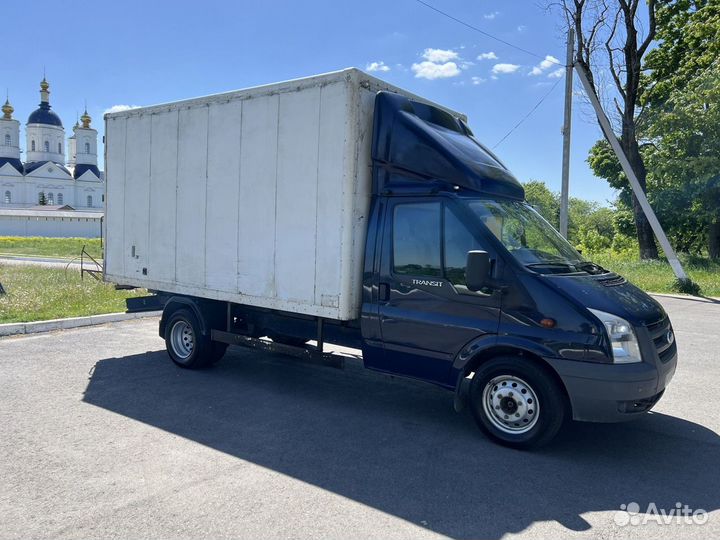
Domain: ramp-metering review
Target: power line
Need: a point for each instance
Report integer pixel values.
(528, 114)
(487, 34)
(505, 42)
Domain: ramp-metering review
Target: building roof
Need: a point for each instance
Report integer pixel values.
(43, 115)
(30, 167)
(16, 163)
(52, 208)
(82, 168)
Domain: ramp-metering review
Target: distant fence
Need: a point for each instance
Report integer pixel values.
(51, 223)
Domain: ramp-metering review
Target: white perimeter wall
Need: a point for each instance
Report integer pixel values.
(51, 226)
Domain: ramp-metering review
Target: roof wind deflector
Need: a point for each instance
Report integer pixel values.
(418, 147)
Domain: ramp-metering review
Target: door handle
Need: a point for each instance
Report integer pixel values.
(383, 292)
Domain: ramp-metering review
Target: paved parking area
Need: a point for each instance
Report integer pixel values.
(102, 437)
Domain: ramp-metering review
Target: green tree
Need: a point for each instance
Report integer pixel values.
(682, 104)
(612, 38)
(589, 225)
(544, 201)
(42, 200)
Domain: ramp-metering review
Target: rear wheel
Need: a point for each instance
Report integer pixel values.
(516, 402)
(186, 344)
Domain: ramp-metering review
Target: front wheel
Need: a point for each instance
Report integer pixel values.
(516, 402)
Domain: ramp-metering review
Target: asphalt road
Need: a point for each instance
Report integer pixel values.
(102, 437)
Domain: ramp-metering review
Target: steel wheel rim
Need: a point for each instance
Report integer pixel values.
(182, 339)
(510, 404)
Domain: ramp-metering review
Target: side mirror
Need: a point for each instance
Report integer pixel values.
(477, 270)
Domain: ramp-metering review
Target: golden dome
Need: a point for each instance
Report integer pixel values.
(7, 110)
(44, 85)
(85, 119)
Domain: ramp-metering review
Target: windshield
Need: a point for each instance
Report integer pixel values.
(527, 236)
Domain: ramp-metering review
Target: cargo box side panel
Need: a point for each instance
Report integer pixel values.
(137, 186)
(115, 199)
(296, 212)
(356, 197)
(191, 186)
(163, 183)
(256, 208)
(223, 183)
(331, 179)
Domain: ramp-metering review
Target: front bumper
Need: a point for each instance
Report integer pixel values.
(613, 392)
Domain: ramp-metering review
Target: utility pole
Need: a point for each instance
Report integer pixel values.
(567, 125)
(628, 170)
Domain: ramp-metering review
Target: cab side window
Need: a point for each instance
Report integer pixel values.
(458, 241)
(416, 239)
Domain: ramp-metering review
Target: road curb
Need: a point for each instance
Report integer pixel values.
(709, 299)
(13, 329)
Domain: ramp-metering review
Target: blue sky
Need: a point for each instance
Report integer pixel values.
(141, 53)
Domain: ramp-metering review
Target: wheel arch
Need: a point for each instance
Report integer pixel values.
(482, 351)
(210, 314)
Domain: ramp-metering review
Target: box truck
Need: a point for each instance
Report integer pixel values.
(341, 208)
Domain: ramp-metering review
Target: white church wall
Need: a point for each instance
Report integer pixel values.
(41, 133)
(9, 138)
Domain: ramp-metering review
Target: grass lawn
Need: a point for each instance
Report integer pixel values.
(657, 276)
(36, 246)
(35, 293)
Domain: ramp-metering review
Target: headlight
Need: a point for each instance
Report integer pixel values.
(622, 338)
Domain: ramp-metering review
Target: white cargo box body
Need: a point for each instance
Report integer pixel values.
(257, 197)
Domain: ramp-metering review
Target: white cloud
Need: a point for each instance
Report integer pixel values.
(521, 28)
(557, 73)
(439, 56)
(487, 56)
(477, 80)
(377, 66)
(120, 108)
(547, 63)
(491, 16)
(439, 64)
(431, 70)
(505, 68)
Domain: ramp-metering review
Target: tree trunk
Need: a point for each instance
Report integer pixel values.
(714, 239)
(645, 235)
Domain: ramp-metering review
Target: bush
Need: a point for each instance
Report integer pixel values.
(591, 241)
(623, 243)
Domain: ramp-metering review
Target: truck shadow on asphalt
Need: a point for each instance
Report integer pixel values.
(399, 447)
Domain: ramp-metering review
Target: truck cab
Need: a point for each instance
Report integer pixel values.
(463, 277)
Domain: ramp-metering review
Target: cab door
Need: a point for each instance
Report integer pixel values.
(426, 313)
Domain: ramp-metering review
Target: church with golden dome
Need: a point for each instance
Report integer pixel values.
(55, 171)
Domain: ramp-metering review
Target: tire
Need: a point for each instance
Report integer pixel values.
(186, 345)
(517, 403)
(288, 340)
